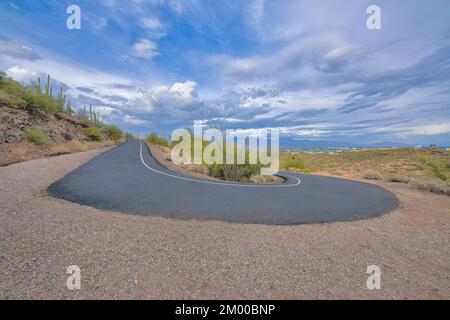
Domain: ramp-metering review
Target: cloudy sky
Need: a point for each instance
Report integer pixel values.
(311, 68)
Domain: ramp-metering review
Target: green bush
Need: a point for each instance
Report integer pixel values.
(12, 93)
(436, 167)
(162, 141)
(234, 172)
(12, 100)
(35, 97)
(216, 171)
(93, 134)
(42, 102)
(153, 138)
(113, 132)
(294, 162)
(36, 135)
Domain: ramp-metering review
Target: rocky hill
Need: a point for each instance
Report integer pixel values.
(34, 124)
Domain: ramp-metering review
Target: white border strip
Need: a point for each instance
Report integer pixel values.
(219, 183)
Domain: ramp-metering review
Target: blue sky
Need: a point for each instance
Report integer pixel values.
(310, 68)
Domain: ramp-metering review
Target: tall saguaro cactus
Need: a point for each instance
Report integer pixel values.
(38, 87)
(61, 100)
(69, 109)
(48, 89)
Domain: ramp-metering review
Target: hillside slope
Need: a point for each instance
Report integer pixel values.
(34, 124)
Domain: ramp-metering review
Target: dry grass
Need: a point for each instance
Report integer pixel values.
(370, 175)
(426, 169)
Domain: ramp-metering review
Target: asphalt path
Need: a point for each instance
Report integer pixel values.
(128, 179)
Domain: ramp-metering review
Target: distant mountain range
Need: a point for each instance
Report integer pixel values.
(311, 144)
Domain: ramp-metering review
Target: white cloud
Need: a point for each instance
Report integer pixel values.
(185, 90)
(144, 49)
(17, 50)
(151, 23)
(180, 97)
(133, 120)
(22, 74)
(431, 129)
(338, 52)
(404, 131)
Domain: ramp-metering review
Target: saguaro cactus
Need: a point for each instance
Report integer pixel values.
(38, 87)
(61, 100)
(69, 108)
(47, 87)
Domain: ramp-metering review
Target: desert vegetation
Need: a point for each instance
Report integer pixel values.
(14, 94)
(93, 134)
(128, 135)
(113, 132)
(44, 117)
(42, 99)
(249, 173)
(153, 138)
(293, 161)
(36, 135)
(426, 169)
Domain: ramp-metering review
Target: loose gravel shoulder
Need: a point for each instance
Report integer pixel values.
(135, 257)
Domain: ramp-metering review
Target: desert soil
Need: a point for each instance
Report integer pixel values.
(135, 257)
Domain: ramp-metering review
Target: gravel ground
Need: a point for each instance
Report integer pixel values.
(132, 257)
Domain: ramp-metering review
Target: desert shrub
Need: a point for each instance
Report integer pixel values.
(216, 170)
(229, 171)
(153, 138)
(128, 135)
(93, 134)
(36, 135)
(294, 162)
(437, 168)
(394, 177)
(372, 175)
(35, 97)
(83, 120)
(42, 102)
(113, 132)
(234, 172)
(13, 93)
(12, 100)
(162, 141)
(431, 185)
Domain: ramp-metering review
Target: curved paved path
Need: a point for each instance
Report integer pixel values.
(128, 179)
